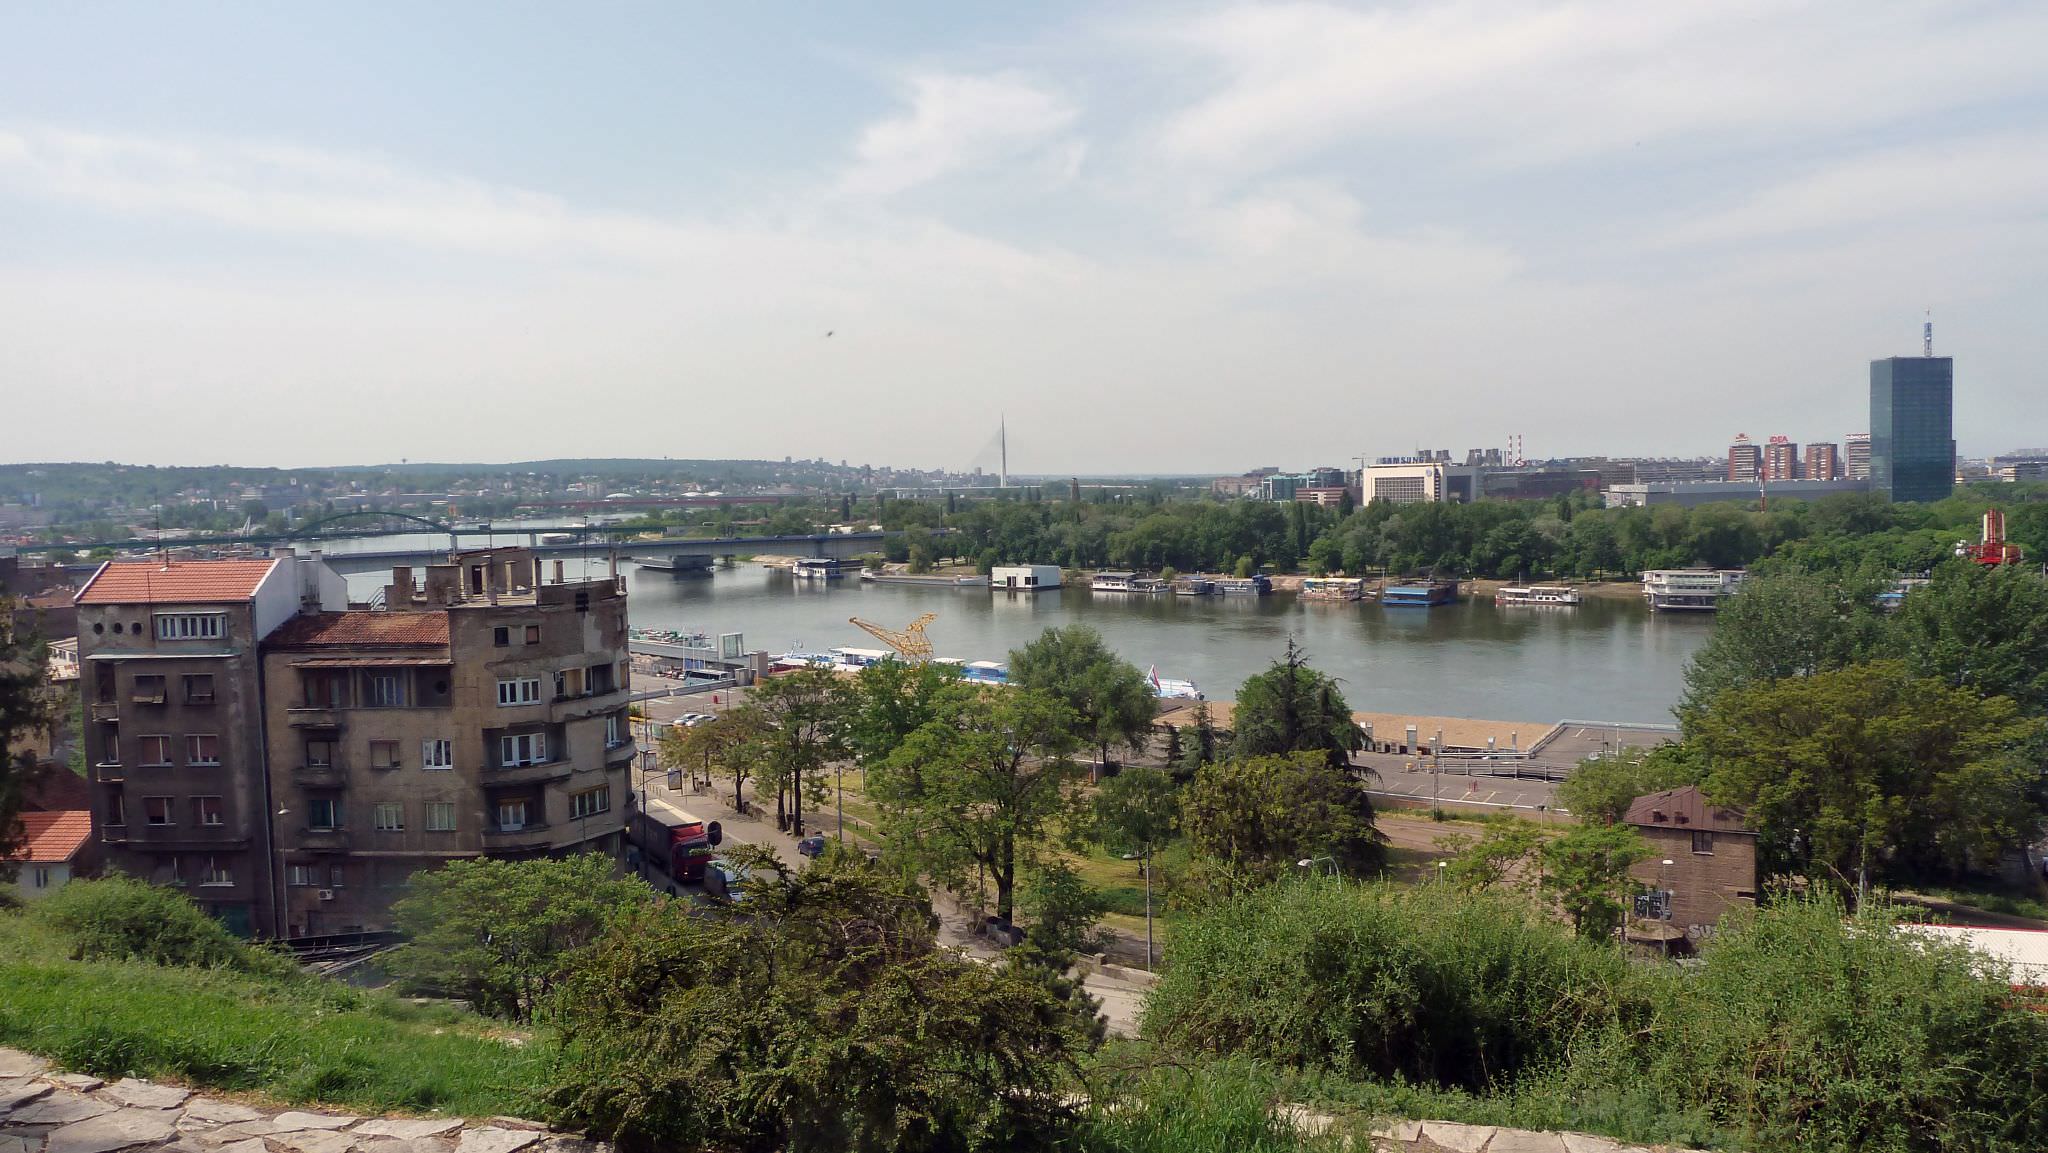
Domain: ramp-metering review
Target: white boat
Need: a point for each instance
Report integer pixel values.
(1169, 689)
(816, 569)
(1562, 596)
(1112, 582)
(1689, 589)
(1332, 589)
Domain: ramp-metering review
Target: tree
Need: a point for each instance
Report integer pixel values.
(24, 706)
(1870, 772)
(803, 714)
(1588, 870)
(978, 785)
(892, 699)
(1490, 859)
(1110, 699)
(1601, 789)
(1256, 818)
(1292, 708)
(1981, 629)
(1202, 749)
(823, 1018)
(1778, 626)
(1136, 810)
(498, 933)
(730, 745)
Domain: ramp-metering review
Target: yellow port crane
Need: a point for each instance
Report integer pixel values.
(910, 642)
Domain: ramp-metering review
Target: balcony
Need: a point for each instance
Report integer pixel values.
(539, 774)
(104, 710)
(328, 838)
(533, 835)
(313, 717)
(621, 753)
(109, 771)
(328, 776)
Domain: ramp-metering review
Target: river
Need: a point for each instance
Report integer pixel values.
(1607, 660)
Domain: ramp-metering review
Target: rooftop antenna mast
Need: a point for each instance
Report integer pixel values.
(1927, 335)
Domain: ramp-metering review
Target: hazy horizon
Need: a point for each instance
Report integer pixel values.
(1156, 239)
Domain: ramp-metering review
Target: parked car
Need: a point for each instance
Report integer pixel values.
(692, 720)
(725, 882)
(811, 846)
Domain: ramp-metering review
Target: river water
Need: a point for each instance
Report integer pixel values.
(1607, 660)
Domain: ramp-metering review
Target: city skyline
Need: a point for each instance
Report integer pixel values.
(1155, 240)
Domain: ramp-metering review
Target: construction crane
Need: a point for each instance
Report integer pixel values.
(1995, 549)
(910, 642)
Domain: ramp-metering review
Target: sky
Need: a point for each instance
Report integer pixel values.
(1179, 237)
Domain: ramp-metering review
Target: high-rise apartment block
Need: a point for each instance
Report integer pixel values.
(1781, 459)
(1745, 459)
(1856, 455)
(291, 761)
(1823, 462)
(1912, 436)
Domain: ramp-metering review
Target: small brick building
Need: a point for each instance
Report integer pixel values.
(1711, 869)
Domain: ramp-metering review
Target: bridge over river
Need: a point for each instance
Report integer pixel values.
(841, 545)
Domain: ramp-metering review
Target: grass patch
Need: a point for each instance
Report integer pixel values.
(294, 1039)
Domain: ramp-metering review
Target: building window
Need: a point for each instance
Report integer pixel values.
(149, 689)
(440, 816)
(199, 689)
(614, 730)
(299, 876)
(335, 878)
(385, 691)
(325, 689)
(598, 679)
(323, 813)
(155, 751)
(191, 626)
(168, 871)
(511, 816)
(42, 877)
(533, 634)
(206, 811)
(117, 808)
(319, 753)
(157, 811)
(1703, 842)
(384, 755)
(437, 754)
(202, 749)
(501, 636)
(519, 691)
(216, 872)
(516, 749)
(388, 817)
(590, 802)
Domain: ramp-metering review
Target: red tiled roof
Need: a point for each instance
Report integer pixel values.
(52, 837)
(1683, 808)
(174, 582)
(362, 630)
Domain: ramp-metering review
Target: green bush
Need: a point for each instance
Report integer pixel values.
(119, 918)
(1224, 1106)
(1370, 981)
(1810, 1029)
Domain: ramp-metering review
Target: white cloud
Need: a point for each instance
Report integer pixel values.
(1527, 83)
(957, 123)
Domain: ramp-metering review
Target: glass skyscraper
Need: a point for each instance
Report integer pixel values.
(1912, 427)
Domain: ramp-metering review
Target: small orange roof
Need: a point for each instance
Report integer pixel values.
(53, 837)
(121, 582)
(361, 629)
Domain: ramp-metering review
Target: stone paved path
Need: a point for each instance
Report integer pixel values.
(42, 1111)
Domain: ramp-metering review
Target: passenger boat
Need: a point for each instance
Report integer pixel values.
(1690, 589)
(1558, 596)
(1168, 689)
(1332, 589)
(1112, 582)
(1419, 594)
(950, 582)
(1193, 587)
(1254, 586)
(816, 569)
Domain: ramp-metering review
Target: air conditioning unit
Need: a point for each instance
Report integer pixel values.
(327, 894)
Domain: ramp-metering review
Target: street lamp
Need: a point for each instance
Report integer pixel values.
(1440, 874)
(1330, 864)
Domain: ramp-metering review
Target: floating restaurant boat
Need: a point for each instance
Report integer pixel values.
(1689, 589)
(806, 568)
(1333, 589)
(1419, 594)
(1126, 582)
(1557, 596)
(1193, 587)
(1255, 586)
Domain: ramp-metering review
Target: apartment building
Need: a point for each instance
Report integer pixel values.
(483, 714)
(174, 741)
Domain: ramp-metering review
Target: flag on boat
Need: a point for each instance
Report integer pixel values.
(1152, 674)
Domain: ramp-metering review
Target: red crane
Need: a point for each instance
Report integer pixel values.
(1995, 550)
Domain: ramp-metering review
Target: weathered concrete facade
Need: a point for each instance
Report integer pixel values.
(481, 715)
(174, 736)
(1711, 855)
